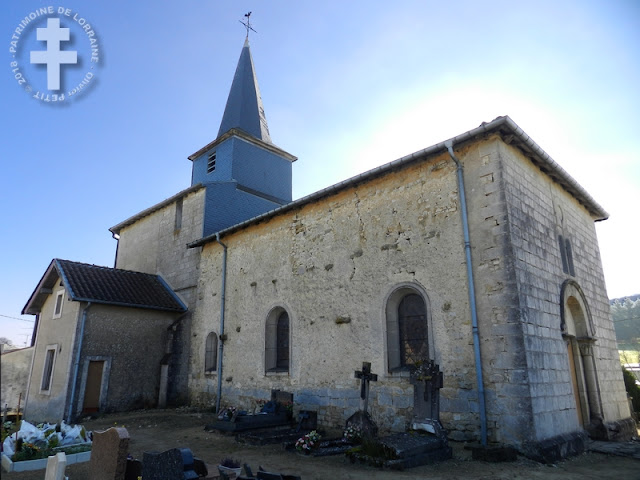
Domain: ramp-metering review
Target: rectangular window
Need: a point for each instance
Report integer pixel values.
(211, 164)
(178, 219)
(47, 372)
(57, 310)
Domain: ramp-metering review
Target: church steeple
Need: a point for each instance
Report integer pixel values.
(244, 173)
(244, 108)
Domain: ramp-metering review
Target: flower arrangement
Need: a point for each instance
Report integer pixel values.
(352, 434)
(32, 442)
(308, 442)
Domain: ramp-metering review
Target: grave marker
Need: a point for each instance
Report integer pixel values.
(56, 464)
(109, 454)
(365, 377)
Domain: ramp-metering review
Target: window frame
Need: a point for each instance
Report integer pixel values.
(48, 369)
(211, 162)
(211, 341)
(59, 296)
(271, 348)
(394, 364)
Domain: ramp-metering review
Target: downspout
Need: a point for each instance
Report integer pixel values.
(76, 365)
(472, 295)
(221, 333)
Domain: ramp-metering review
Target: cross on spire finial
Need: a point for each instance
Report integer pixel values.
(247, 24)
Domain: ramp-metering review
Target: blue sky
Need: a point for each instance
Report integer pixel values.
(346, 86)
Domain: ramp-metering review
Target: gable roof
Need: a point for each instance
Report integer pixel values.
(104, 285)
(510, 133)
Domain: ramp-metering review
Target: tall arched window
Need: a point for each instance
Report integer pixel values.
(277, 341)
(407, 329)
(211, 353)
(412, 328)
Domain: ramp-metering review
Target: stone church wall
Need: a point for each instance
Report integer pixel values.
(153, 244)
(332, 264)
(539, 211)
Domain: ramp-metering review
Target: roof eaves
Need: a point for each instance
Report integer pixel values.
(561, 176)
(237, 132)
(132, 305)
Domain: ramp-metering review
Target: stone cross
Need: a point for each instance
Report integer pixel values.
(365, 377)
(56, 465)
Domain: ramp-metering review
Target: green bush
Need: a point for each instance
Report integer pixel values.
(633, 390)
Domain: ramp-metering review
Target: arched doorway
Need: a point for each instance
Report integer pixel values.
(578, 334)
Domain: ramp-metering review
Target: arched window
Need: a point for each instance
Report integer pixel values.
(412, 328)
(407, 329)
(211, 353)
(277, 341)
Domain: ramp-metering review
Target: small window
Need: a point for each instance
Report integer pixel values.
(567, 255)
(57, 310)
(211, 353)
(282, 342)
(211, 163)
(47, 372)
(277, 341)
(178, 220)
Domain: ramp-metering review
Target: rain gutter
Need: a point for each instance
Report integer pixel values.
(221, 335)
(472, 294)
(76, 366)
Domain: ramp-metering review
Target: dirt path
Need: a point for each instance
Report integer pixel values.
(161, 430)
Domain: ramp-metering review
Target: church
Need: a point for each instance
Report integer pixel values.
(478, 254)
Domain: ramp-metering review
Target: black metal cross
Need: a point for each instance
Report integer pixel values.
(365, 377)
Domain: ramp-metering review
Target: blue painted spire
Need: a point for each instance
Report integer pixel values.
(244, 108)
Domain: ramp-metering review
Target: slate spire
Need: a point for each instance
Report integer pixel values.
(244, 108)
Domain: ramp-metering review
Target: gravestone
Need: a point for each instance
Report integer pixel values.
(427, 380)
(174, 464)
(109, 454)
(56, 464)
(365, 377)
(274, 414)
(361, 419)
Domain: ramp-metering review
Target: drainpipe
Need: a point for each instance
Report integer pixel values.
(472, 295)
(221, 334)
(76, 365)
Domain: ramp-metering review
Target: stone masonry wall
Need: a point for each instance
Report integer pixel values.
(505, 376)
(332, 265)
(539, 210)
(132, 341)
(154, 245)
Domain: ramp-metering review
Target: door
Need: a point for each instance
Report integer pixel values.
(94, 386)
(574, 382)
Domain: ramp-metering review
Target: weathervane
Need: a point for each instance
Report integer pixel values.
(247, 24)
